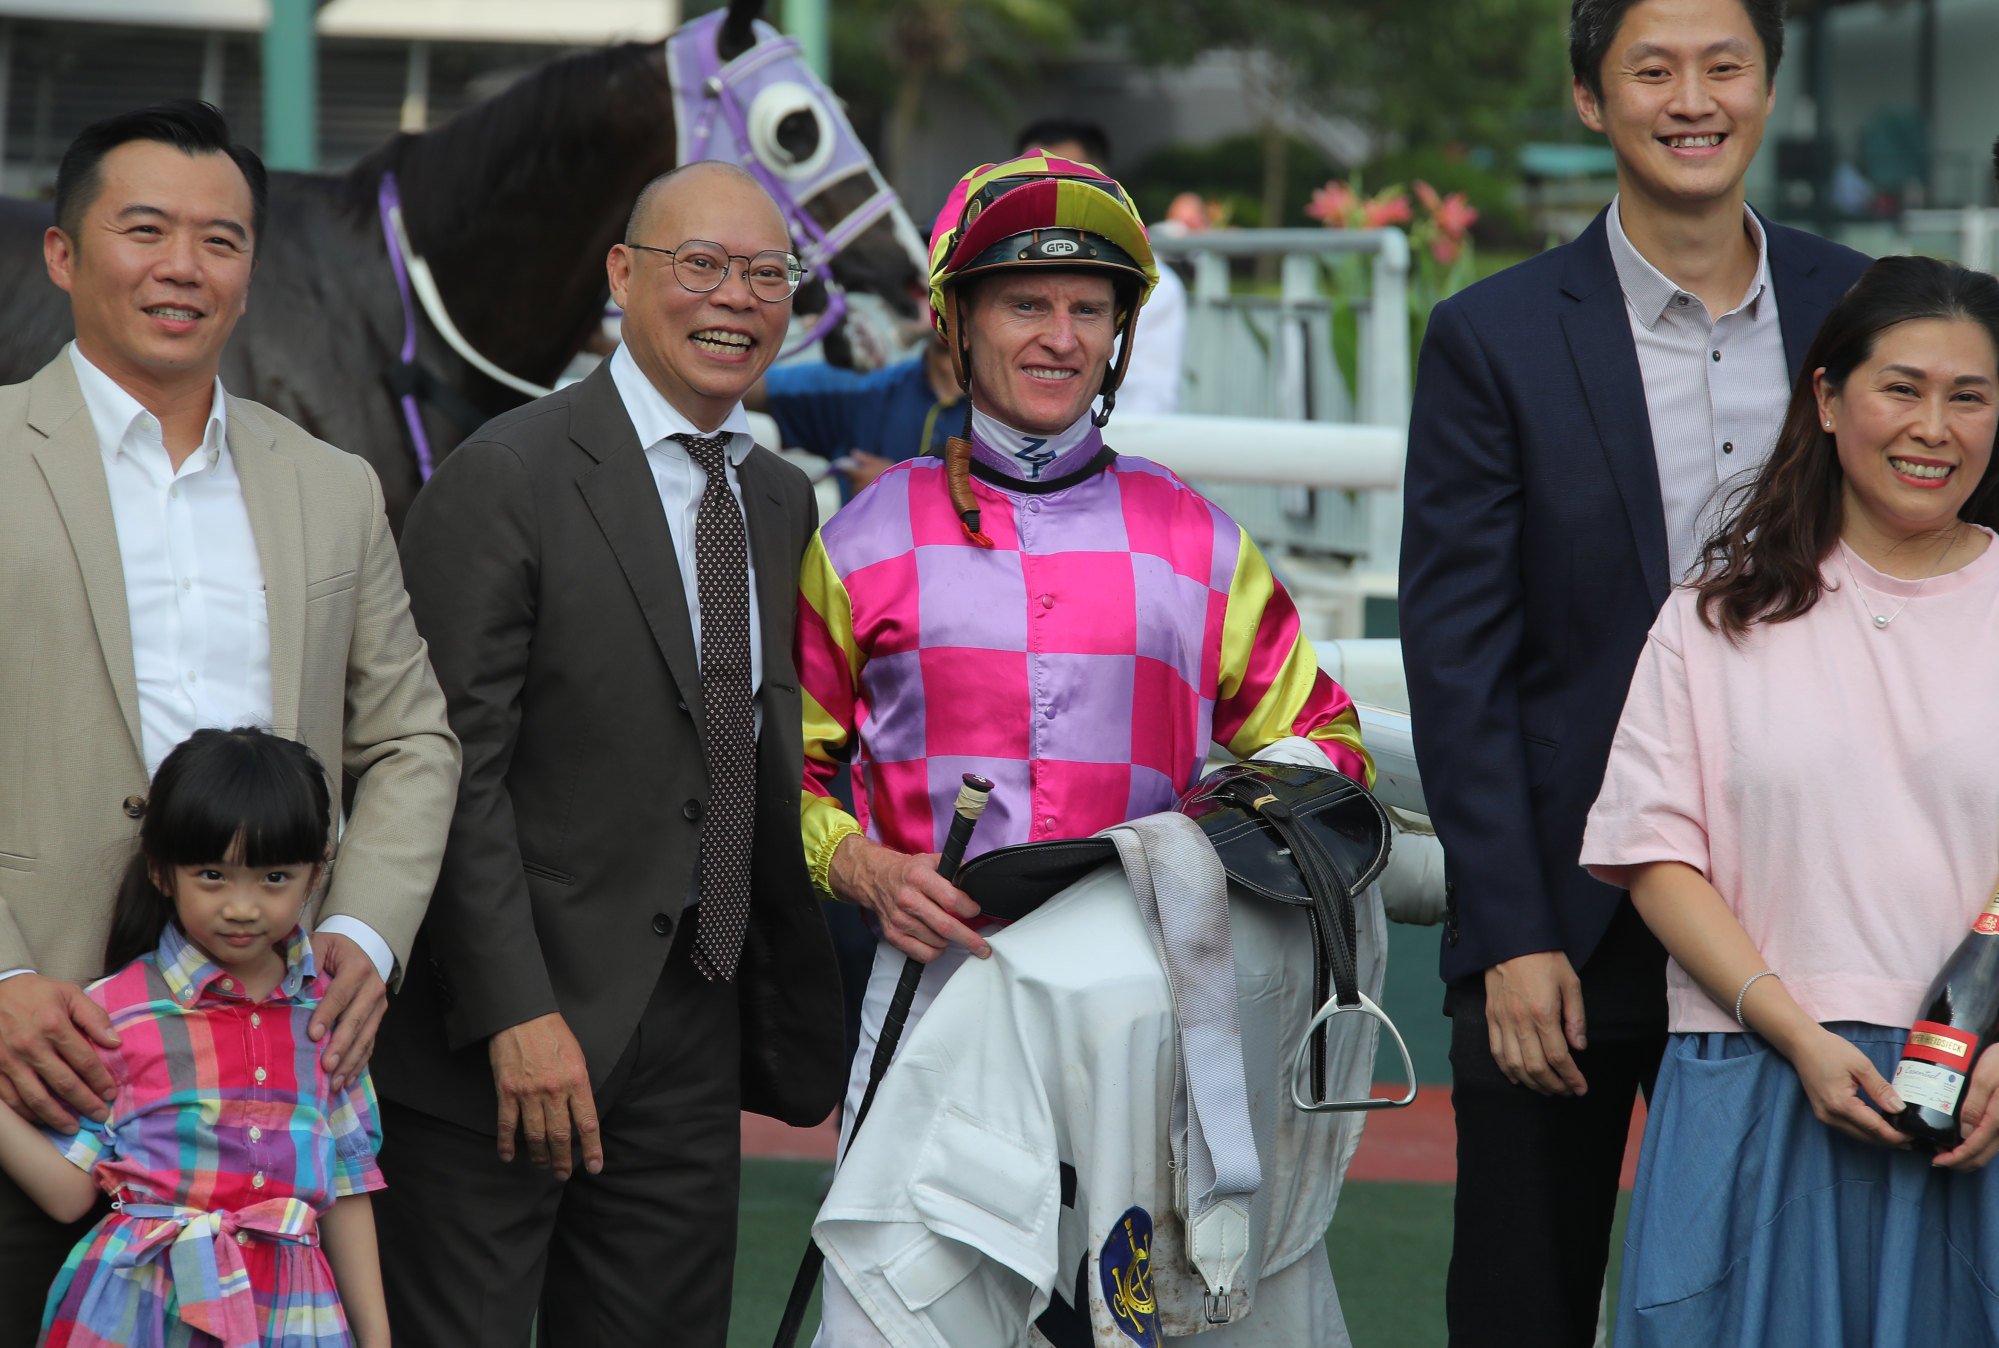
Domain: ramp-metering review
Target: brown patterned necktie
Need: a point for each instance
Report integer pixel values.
(728, 728)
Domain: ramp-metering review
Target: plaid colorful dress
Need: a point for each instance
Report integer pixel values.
(223, 1147)
(1085, 662)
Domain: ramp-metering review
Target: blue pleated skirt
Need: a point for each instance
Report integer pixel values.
(1755, 1225)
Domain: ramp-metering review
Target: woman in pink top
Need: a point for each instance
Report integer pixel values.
(1803, 798)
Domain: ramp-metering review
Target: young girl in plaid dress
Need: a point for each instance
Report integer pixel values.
(239, 1178)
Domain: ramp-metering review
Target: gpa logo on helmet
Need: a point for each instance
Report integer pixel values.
(1059, 247)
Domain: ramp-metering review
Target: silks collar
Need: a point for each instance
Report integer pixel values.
(1016, 457)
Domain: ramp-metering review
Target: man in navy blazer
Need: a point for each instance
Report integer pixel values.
(1578, 422)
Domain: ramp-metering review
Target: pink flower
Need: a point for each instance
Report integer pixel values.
(1332, 204)
(1455, 216)
(1427, 195)
(1386, 210)
(1446, 249)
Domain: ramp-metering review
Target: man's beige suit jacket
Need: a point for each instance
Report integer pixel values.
(349, 675)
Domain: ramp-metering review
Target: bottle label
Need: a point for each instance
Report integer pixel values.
(1941, 1044)
(1926, 1084)
(1987, 923)
(1936, 1064)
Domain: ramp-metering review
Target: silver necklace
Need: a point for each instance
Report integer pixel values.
(1881, 620)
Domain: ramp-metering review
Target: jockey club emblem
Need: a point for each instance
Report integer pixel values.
(1125, 1265)
(1033, 455)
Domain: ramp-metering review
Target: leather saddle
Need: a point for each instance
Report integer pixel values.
(1307, 837)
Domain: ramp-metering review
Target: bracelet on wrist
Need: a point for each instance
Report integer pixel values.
(1747, 983)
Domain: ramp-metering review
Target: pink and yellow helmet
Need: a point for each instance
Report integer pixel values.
(1039, 211)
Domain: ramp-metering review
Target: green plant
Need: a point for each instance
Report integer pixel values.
(1442, 259)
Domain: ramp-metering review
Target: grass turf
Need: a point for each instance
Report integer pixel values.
(1389, 1247)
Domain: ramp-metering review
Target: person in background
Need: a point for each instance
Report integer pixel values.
(1152, 383)
(1846, 616)
(1573, 418)
(211, 983)
(172, 557)
(863, 421)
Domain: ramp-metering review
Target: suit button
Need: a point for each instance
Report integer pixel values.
(135, 806)
(692, 809)
(662, 924)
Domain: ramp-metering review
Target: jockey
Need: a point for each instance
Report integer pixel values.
(1077, 625)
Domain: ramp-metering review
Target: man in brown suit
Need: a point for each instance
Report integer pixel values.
(624, 949)
(172, 556)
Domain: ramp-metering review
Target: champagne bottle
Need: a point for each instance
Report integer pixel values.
(1959, 1017)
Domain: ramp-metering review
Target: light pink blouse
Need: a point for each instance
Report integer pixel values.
(1836, 781)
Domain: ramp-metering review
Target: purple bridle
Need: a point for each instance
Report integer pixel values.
(730, 112)
(721, 111)
(388, 200)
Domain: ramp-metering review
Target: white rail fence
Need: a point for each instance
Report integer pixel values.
(1250, 354)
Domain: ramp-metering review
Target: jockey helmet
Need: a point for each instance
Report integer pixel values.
(1038, 211)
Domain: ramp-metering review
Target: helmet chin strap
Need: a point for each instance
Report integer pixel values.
(1114, 376)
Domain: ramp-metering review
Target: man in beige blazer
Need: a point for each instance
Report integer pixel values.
(170, 557)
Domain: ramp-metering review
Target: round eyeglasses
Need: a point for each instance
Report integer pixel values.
(701, 266)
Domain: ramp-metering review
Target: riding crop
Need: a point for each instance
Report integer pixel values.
(971, 803)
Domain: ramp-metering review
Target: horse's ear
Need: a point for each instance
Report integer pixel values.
(737, 35)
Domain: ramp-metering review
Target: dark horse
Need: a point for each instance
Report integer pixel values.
(514, 202)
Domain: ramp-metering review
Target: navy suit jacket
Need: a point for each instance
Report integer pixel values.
(1533, 564)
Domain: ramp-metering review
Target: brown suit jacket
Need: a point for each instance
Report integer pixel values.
(542, 571)
(348, 675)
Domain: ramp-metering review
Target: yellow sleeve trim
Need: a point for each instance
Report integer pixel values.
(821, 819)
(820, 586)
(1346, 730)
(825, 825)
(1277, 712)
(1249, 594)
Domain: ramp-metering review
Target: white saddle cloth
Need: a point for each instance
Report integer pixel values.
(946, 1223)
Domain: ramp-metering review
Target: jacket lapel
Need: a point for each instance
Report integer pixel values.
(1599, 336)
(777, 572)
(271, 495)
(621, 494)
(1801, 304)
(73, 466)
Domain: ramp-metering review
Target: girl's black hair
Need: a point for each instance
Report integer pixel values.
(217, 791)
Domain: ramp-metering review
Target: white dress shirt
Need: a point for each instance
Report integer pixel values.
(1715, 388)
(681, 482)
(194, 585)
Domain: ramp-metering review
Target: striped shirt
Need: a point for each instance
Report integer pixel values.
(1085, 662)
(223, 1146)
(1715, 388)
